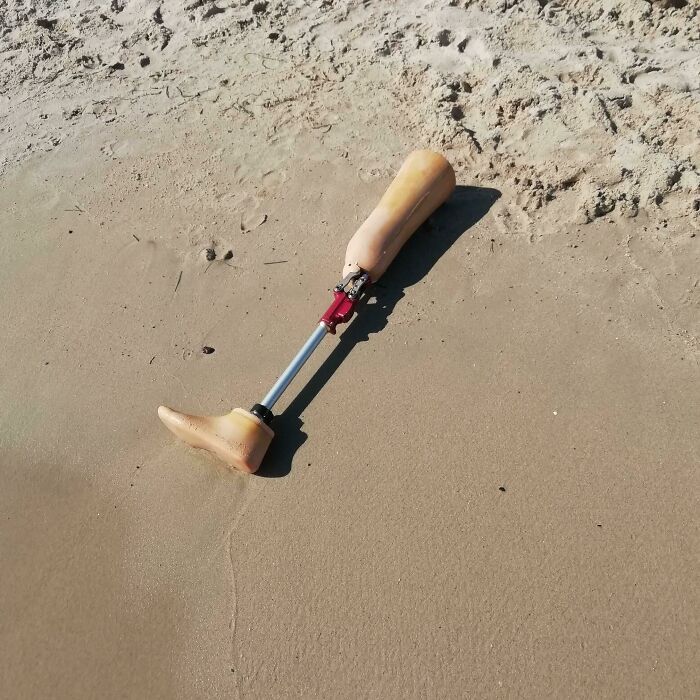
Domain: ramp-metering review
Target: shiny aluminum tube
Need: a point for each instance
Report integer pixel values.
(296, 364)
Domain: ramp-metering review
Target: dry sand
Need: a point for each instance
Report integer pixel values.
(486, 486)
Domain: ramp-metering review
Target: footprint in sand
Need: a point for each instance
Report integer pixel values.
(273, 179)
(247, 208)
(149, 258)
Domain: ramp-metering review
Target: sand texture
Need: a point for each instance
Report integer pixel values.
(486, 485)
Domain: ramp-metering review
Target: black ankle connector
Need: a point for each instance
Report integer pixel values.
(262, 412)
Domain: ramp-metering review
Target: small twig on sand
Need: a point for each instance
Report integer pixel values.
(239, 107)
(263, 58)
(188, 98)
(275, 262)
(151, 361)
(76, 208)
(136, 237)
(178, 281)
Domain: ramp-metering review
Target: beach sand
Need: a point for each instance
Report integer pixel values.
(484, 486)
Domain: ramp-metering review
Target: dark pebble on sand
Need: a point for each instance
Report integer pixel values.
(211, 254)
(502, 488)
(46, 23)
(207, 350)
(212, 10)
(229, 255)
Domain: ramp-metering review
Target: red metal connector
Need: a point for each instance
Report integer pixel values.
(345, 296)
(340, 311)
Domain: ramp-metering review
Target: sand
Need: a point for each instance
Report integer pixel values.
(486, 486)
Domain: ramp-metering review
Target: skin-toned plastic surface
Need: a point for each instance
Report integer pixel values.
(239, 438)
(423, 183)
